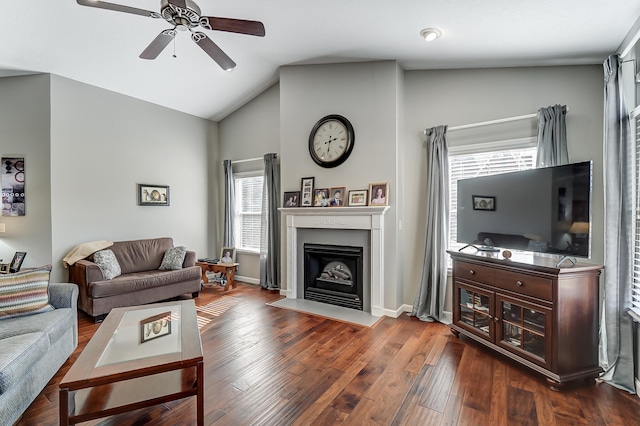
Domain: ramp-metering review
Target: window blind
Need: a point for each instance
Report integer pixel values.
(484, 163)
(248, 212)
(635, 297)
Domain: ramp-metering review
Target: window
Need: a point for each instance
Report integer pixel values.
(248, 192)
(484, 160)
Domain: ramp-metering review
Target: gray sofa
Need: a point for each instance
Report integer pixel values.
(33, 348)
(141, 281)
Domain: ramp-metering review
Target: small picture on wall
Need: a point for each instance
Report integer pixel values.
(358, 198)
(336, 199)
(306, 192)
(379, 193)
(484, 202)
(291, 199)
(321, 197)
(13, 190)
(153, 195)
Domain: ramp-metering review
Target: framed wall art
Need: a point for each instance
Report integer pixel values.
(484, 202)
(13, 188)
(153, 195)
(379, 194)
(306, 192)
(358, 198)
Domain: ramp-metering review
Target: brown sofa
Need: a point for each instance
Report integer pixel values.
(141, 281)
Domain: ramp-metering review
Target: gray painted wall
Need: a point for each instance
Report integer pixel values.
(390, 109)
(86, 149)
(24, 126)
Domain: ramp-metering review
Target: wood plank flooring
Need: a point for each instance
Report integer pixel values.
(270, 366)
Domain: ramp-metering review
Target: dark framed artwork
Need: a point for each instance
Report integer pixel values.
(306, 192)
(484, 202)
(13, 186)
(17, 260)
(291, 199)
(153, 195)
(155, 326)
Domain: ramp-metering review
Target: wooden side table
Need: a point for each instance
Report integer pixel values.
(229, 270)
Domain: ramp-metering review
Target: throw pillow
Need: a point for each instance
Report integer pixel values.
(173, 258)
(25, 292)
(108, 263)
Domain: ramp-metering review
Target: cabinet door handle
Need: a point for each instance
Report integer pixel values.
(519, 283)
(496, 319)
(472, 272)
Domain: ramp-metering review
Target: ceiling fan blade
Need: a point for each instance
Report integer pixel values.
(118, 8)
(212, 49)
(240, 26)
(158, 44)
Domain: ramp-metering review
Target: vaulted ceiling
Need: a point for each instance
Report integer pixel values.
(101, 47)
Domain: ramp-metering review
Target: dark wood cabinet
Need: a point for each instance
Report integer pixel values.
(530, 310)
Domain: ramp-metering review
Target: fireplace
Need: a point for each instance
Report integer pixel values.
(333, 274)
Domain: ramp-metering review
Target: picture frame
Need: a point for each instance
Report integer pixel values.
(336, 196)
(17, 260)
(358, 198)
(379, 194)
(306, 191)
(227, 253)
(484, 202)
(153, 195)
(291, 199)
(321, 197)
(155, 326)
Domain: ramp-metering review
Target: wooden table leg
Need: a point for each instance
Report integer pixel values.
(63, 399)
(230, 273)
(200, 395)
(204, 277)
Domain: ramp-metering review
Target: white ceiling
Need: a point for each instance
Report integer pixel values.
(101, 47)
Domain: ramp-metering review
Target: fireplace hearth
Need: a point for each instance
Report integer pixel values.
(333, 274)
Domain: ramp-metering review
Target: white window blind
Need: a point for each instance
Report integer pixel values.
(635, 298)
(481, 162)
(248, 211)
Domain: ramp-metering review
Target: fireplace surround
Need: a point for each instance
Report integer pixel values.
(369, 219)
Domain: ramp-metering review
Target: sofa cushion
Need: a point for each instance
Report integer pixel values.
(141, 255)
(108, 264)
(54, 324)
(18, 354)
(25, 292)
(127, 283)
(173, 258)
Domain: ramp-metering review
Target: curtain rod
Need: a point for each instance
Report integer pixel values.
(246, 160)
(498, 121)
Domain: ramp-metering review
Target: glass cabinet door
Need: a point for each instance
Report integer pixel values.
(476, 310)
(524, 327)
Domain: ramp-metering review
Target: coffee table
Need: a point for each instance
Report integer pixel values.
(228, 269)
(139, 357)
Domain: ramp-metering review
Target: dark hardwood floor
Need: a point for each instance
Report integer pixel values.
(270, 366)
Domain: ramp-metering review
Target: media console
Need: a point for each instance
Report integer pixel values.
(530, 310)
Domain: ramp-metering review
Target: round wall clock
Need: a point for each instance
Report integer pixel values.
(331, 141)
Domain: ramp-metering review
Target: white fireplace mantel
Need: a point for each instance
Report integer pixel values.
(369, 218)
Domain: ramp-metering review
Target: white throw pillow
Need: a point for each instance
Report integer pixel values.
(173, 258)
(108, 263)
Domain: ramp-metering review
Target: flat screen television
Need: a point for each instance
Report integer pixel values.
(544, 210)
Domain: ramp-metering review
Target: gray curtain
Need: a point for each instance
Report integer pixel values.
(270, 229)
(616, 328)
(229, 205)
(429, 302)
(552, 136)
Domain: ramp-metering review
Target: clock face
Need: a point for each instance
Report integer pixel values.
(331, 141)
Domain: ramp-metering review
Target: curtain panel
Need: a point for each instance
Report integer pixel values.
(229, 205)
(552, 136)
(616, 326)
(429, 302)
(270, 228)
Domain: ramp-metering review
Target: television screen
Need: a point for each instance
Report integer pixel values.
(544, 210)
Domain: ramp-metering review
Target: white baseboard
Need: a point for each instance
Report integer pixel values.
(447, 317)
(247, 280)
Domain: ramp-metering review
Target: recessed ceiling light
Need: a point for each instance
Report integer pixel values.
(430, 34)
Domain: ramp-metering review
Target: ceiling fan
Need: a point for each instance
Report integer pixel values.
(185, 15)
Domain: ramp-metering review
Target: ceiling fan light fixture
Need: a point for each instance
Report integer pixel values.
(430, 34)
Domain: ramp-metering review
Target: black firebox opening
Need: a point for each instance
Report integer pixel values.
(333, 274)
